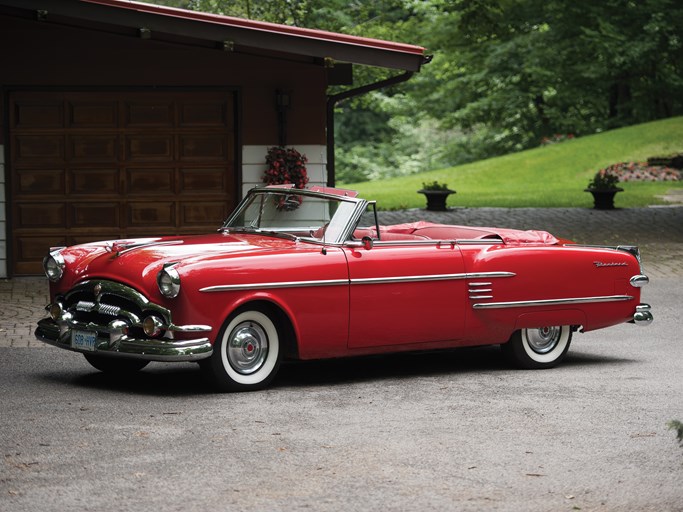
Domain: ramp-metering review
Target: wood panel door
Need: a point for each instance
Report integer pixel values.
(90, 166)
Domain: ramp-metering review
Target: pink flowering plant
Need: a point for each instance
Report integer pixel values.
(285, 165)
(604, 179)
(642, 171)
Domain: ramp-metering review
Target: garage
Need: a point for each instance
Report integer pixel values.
(103, 165)
(125, 119)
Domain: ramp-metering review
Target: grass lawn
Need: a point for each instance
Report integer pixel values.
(549, 176)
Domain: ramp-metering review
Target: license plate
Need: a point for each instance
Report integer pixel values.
(83, 340)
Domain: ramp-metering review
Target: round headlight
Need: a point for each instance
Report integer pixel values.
(168, 281)
(53, 265)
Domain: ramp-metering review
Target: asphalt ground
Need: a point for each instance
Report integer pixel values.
(453, 430)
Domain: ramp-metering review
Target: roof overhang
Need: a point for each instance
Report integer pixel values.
(233, 34)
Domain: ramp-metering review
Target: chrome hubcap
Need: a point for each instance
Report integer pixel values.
(247, 348)
(543, 340)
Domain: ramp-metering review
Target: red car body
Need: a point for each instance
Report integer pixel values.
(366, 289)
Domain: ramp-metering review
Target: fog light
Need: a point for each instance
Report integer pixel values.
(152, 326)
(56, 310)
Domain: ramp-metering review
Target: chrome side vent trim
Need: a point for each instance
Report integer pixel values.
(480, 291)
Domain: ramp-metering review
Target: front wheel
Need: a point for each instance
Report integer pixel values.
(246, 355)
(115, 365)
(543, 347)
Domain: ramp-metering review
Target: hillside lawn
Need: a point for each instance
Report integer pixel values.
(544, 177)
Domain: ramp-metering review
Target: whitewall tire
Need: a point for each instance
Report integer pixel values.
(247, 352)
(537, 348)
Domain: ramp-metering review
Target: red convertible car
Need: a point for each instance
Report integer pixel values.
(309, 274)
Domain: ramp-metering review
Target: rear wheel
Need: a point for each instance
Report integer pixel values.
(542, 347)
(246, 355)
(115, 365)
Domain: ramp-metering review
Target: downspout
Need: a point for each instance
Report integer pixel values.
(336, 98)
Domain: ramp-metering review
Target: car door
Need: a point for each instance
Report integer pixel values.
(402, 293)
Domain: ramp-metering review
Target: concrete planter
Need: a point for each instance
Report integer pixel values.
(436, 199)
(604, 199)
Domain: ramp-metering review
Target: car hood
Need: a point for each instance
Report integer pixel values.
(133, 260)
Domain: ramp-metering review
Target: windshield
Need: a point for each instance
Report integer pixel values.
(296, 214)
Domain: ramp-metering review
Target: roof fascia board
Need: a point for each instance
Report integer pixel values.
(246, 33)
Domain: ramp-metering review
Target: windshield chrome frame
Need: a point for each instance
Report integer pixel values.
(344, 234)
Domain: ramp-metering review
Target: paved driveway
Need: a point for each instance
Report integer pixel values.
(454, 430)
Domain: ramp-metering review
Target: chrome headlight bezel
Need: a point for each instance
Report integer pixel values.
(168, 281)
(53, 266)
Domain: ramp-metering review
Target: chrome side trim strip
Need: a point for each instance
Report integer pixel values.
(552, 302)
(408, 279)
(264, 286)
(341, 282)
(485, 275)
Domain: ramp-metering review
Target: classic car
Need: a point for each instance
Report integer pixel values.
(310, 273)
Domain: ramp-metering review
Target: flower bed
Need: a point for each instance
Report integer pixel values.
(641, 171)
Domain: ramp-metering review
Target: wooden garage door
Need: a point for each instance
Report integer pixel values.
(101, 165)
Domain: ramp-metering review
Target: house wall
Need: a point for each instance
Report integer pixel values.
(46, 56)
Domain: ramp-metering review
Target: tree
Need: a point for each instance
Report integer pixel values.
(519, 70)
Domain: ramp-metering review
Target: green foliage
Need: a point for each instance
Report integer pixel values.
(505, 75)
(549, 176)
(603, 180)
(528, 69)
(678, 427)
(434, 185)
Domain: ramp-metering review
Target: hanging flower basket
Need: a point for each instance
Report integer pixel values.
(285, 166)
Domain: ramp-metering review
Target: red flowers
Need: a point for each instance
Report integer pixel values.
(285, 165)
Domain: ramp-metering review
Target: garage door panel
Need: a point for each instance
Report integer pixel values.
(148, 213)
(204, 214)
(204, 115)
(151, 183)
(94, 182)
(93, 115)
(159, 114)
(31, 149)
(38, 182)
(37, 114)
(149, 148)
(93, 148)
(29, 251)
(40, 215)
(204, 147)
(205, 181)
(94, 215)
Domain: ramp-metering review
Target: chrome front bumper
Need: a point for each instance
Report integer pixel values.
(117, 320)
(50, 332)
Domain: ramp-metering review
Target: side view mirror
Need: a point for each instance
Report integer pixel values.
(367, 243)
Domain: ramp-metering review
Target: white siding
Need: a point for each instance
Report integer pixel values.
(3, 218)
(254, 164)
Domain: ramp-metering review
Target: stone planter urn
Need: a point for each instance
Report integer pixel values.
(436, 199)
(603, 199)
